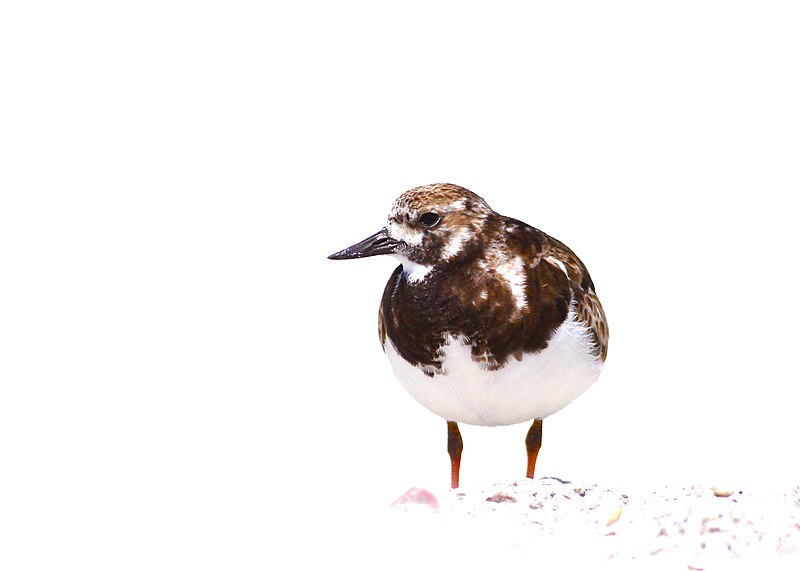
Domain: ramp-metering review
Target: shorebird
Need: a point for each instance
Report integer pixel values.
(487, 320)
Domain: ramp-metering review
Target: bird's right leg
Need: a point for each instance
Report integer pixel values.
(454, 447)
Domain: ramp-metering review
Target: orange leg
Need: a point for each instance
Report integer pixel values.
(533, 442)
(454, 447)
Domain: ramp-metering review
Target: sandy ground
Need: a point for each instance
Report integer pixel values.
(550, 523)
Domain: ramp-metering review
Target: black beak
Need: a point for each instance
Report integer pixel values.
(377, 244)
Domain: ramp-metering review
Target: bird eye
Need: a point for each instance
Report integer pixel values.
(429, 219)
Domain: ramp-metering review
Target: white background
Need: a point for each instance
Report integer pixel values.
(182, 369)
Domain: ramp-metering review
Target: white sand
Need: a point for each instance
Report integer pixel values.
(549, 524)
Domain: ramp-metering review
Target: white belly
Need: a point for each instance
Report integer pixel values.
(535, 387)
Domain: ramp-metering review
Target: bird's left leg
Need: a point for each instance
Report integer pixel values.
(533, 442)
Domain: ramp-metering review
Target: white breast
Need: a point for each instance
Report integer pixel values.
(534, 387)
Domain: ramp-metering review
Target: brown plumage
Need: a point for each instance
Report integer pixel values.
(451, 301)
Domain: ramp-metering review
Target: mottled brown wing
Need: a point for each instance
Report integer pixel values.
(591, 313)
(589, 309)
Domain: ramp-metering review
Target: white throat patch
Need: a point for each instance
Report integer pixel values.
(414, 272)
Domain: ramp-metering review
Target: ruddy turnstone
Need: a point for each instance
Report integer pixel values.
(487, 320)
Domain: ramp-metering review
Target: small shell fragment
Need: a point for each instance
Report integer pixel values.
(615, 516)
(416, 497)
(500, 497)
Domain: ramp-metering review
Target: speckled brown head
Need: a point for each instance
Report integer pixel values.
(429, 226)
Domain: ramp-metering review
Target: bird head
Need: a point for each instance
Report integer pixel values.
(427, 227)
